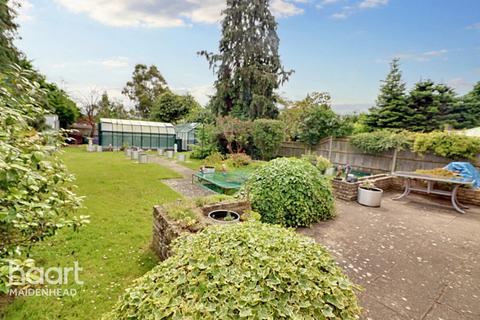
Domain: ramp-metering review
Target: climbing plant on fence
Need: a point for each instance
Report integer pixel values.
(381, 141)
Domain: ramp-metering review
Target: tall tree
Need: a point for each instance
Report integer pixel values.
(146, 85)
(423, 107)
(8, 31)
(447, 103)
(391, 106)
(248, 65)
(468, 109)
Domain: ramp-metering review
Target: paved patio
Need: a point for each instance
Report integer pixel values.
(416, 258)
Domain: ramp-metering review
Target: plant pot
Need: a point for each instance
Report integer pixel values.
(370, 197)
(161, 152)
(181, 157)
(134, 154)
(170, 154)
(218, 216)
(142, 158)
(209, 170)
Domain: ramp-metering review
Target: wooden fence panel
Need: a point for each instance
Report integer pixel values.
(342, 152)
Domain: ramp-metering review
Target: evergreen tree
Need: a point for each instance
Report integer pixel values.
(447, 103)
(468, 109)
(9, 54)
(391, 107)
(248, 65)
(423, 107)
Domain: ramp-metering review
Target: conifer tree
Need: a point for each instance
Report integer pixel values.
(8, 30)
(422, 107)
(391, 107)
(248, 65)
(468, 109)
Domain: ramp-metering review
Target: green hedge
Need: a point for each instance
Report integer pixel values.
(290, 192)
(247, 270)
(381, 141)
(448, 145)
(268, 135)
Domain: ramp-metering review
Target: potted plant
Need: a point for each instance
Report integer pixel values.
(369, 195)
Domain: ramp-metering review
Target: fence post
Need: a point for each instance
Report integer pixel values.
(330, 144)
(394, 160)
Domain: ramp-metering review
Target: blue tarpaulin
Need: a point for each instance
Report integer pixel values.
(466, 170)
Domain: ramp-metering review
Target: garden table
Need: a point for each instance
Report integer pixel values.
(457, 182)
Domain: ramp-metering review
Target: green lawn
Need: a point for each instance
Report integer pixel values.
(114, 249)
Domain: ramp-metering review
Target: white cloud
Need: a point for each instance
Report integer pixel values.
(163, 13)
(372, 3)
(422, 56)
(474, 26)
(460, 84)
(325, 3)
(340, 15)
(112, 63)
(200, 93)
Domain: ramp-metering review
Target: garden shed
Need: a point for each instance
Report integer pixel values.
(186, 133)
(135, 133)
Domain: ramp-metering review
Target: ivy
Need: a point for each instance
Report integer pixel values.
(381, 141)
(290, 192)
(448, 145)
(248, 270)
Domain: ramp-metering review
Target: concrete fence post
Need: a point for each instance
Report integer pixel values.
(394, 160)
(330, 144)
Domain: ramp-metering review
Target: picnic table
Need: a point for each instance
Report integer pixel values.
(457, 182)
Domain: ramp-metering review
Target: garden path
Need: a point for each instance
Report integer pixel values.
(183, 185)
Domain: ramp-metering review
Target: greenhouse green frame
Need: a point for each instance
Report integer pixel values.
(136, 133)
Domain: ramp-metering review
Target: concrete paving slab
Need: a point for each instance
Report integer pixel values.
(416, 259)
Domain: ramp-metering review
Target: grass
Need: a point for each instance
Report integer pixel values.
(114, 248)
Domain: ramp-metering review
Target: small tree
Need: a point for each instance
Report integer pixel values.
(423, 108)
(110, 109)
(267, 137)
(170, 107)
(146, 85)
(236, 132)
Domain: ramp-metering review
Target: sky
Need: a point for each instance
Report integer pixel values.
(340, 46)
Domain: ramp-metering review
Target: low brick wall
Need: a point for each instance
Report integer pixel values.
(348, 191)
(166, 230)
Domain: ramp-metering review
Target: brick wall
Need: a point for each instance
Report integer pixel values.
(165, 230)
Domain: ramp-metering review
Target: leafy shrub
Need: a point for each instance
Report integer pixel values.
(214, 160)
(310, 158)
(448, 145)
(290, 192)
(267, 136)
(237, 160)
(247, 270)
(250, 215)
(323, 163)
(381, 141)
(207, 142)
(36, 190)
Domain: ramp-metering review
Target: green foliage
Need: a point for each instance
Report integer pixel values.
(267, 137)
(391, 108)
(319, 122)
(183, 212)
(36, 189)
(290, 192)
(146, 86)
(250, 215)
(381, 141)
(60, 104)
(236, 132)
(170, 107)
(448, 145)
(467, 109)
(214, 160)
(248, 65)
(216, 198)
(323, 163)
(207, 141)
(110, 109)
(423, 106)
(9, 54)
(238, 160)
(247, 270)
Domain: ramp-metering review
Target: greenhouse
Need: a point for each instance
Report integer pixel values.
(186, 133)
(134, 133)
